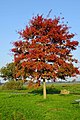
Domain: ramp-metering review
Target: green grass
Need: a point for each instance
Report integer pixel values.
(30, 105)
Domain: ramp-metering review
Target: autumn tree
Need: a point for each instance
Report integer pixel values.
(45, 50)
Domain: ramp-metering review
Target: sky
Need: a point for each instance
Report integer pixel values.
(15, 15)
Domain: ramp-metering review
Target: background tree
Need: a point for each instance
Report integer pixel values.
(8, 71)
(45, 50)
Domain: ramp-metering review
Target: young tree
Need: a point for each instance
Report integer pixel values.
(45, 50)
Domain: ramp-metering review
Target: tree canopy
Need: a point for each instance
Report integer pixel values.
(7, 72)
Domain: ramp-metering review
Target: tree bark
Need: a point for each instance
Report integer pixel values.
(44, 89)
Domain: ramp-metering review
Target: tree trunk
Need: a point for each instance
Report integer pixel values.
(44, 89)
(23, 79)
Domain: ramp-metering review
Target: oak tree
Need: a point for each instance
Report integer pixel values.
(45, 50)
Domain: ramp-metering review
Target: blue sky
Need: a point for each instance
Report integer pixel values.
(15, 15)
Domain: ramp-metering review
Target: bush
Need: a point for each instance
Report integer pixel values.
(13, 85)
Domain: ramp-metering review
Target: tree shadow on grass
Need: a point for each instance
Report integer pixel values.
(48, 90)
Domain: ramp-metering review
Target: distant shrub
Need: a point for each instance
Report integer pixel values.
(13, 85)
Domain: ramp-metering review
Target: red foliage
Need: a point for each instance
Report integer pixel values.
(45, 50)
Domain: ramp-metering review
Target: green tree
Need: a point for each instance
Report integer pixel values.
(8, 71)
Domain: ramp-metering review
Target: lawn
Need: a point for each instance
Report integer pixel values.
(30, 105)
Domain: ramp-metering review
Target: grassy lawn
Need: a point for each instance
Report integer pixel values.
(30, 105)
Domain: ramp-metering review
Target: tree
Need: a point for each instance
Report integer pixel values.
(45, 50)
(8, 71)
